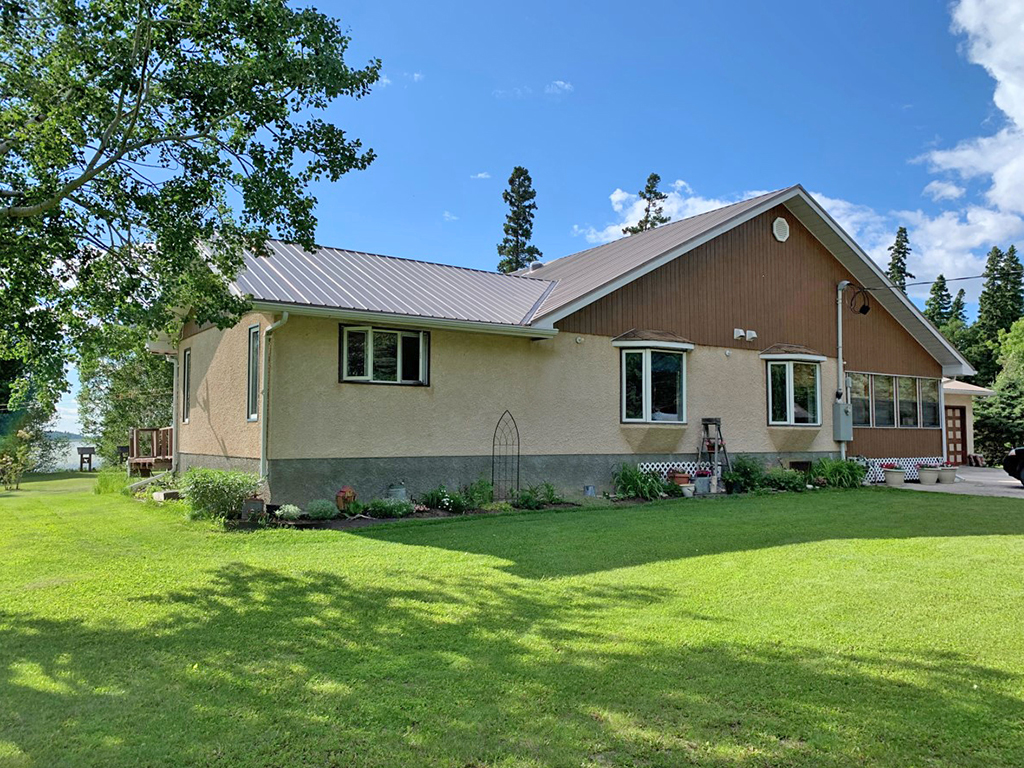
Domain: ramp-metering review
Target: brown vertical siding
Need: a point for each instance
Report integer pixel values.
(885, 443)
(747, 279)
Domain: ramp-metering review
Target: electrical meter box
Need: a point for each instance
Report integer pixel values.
(842, 422)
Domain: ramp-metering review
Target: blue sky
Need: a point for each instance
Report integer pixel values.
(891, 114)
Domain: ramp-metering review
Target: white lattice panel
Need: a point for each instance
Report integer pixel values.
(877, 475)
(662, 468)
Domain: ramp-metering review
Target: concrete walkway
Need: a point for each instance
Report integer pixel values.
(977, 481)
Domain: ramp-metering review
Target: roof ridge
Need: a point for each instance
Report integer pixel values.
(406, 258)
(674, 223)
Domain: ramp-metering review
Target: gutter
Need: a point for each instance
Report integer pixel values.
(265, 394)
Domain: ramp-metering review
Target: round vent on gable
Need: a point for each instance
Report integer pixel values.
(780, 228)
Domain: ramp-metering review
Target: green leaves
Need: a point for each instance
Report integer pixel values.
(131, 134)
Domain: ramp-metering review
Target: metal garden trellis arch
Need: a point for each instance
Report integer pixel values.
(505, 457)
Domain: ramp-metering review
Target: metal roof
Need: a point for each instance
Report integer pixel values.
(952, 387)
(583, 273)
(351, 280)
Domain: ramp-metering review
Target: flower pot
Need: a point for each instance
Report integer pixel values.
(702, 485)
(687, 491)
(895, 477)
(928, 475)
(678, 477)
(344, 498)
(947, 474)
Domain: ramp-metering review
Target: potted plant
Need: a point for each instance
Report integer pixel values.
(894, 475)
(345, 497)
(679, 477)
(928, 474)
(947, 472)
(702, 479)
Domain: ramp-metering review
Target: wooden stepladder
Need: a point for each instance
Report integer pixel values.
(712, 447)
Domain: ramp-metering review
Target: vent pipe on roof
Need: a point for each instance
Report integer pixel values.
(535, 265)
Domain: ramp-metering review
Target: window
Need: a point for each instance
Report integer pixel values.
(860, 399)
(885, 401)
(930, 403)
(908, 401)
(252, 389)
(653, 385)
(186, 384)
(383, 356)
(794, 393)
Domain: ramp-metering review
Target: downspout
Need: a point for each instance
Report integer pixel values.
(174, 416)
(942, 421)
(840, 368)
(264, 397)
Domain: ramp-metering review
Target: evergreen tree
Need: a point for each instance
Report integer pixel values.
(992, 316)
(1013, 286)
(515, 249)
(958, 309)
(899, 253)
(938, 307)
(654, 213)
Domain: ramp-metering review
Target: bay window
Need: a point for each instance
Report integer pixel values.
(653, 385)
(383, 356)
(794, 393)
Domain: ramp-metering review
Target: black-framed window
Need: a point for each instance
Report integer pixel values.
(252, 390)
(906, 402)
(186, 384)
(371, 355)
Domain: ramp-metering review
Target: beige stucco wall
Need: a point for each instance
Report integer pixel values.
(967, 402)
(217, 420)
(563, 394)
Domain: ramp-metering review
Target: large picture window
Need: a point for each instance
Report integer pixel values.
(653, 385)
(383, 356)
(252, 390)
(930, 403)
(908, 402)
(794, 393)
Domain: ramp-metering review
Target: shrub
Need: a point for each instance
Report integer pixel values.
(836, 473)
(497, 506)
(289, 512)
(631, 481)
(445, 500)
(528, 498)
(321, 509)
(780, 479)
(216, 493)
(111, 480)
(549, 495)
(388, 508)
(746, 474)
(671, 489)
(478, 493)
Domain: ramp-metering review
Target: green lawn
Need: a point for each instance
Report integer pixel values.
(871, 627)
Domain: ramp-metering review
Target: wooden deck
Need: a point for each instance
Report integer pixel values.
(150, 449)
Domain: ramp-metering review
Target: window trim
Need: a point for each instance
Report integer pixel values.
(645, 349)
(186, 384)
(788, 361)
(252, 396)
(369, 330)
(895, 377)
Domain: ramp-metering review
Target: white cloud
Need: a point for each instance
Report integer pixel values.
(993, 29)
(681, 203)
(384, 81)
(481, 175)
(939, 190)
(449, 216)
(558, 88)
(518, 92)
(417, 77)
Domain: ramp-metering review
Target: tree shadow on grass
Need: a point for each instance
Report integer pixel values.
(548, 545)
(259, 668)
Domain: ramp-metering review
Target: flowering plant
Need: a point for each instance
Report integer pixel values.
(947, 464)
(928, 466)
(890, 465)
(702, 473)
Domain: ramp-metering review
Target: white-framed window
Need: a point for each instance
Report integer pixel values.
(186, 384)
(653, 385)
(794, 393)
(905, 402)
(384, 356)
(252, 389)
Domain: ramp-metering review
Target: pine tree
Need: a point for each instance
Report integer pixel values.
(654, 214)
(958, 309)
(939, 305)
(991, 316)
(1013, 286)
(515, 249)
(900, 252)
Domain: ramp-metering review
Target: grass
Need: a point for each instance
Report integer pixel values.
(871, 627)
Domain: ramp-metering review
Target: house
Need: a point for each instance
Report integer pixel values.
(958, 397)
(367, 370)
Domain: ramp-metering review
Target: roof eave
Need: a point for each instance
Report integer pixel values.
(412, 321)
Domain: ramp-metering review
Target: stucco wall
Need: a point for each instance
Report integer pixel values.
(563, 394)
(217, 420)
(967, 402)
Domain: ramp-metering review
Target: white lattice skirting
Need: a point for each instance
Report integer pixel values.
(877, 475)
(662, 468)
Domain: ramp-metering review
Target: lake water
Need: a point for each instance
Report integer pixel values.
(68, 458)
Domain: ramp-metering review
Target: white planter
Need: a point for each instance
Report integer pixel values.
(703, 485)
(928, 475)
(947, 474)
(687, 491)
(895, 477)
